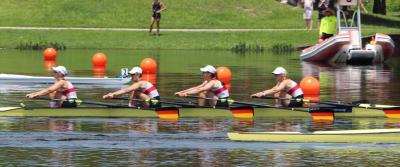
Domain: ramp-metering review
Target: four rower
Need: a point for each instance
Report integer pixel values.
(139, 89)
(62, 90)
(212, 92)
(284, 88)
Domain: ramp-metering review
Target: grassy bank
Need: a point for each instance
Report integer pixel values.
(137, 13)
(168, 40)
(142, 40)
(179, 14)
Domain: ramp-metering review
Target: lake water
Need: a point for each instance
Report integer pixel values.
(193, 141)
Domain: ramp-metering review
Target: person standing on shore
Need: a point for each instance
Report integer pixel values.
(308, 12)
(157, 7)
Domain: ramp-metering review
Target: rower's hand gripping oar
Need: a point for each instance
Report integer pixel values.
(155, 101)
(162, 112)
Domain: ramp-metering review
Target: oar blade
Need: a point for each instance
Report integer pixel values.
(242, 112)
(3, 109)
(393, 112)
(322, 113)
(167, 113)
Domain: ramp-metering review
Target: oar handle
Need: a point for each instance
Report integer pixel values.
(78, 102)
(231, 101)
(333, 103)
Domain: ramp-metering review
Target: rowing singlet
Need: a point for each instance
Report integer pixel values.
(150, 90)
(156, 7)
(220, 90)
(294, 89)
(70, 91)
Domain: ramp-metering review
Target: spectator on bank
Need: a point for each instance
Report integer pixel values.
(328, 25)
(157, 7)
(321, 6)
(308, 12)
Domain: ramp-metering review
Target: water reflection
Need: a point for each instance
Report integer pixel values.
(301, 155)
(200, 142)
(352, 83)
(186, 125)
(192, 141)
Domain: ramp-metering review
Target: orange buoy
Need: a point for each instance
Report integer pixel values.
(49, 64)
(149, 66)
(224, 74)
(50, 54)
(310, 86)
(99, 60)
(152, 78)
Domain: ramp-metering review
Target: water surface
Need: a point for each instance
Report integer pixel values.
(192, 141)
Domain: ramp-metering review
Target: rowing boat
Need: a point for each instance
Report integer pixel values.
(237, 112)
(343, 136)
(26, 79)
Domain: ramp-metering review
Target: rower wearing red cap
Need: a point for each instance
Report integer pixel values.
(211, 88)
(62, 89)
(284, 88)
(139, 89)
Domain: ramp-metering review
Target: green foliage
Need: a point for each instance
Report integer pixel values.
(242, 47)
(393, 5)
(282, 48)
(29, 45)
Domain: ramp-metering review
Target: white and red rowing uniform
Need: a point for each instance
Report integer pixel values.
(220, 90)
(294, 90)
(69, 91)
(150, 90)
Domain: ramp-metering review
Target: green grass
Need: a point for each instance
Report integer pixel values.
(180, 14)
(142, 40)
(168, 40)
(136, 13)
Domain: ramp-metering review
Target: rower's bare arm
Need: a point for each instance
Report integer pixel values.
(122, 91)
(48, 90)
(163, 7)
(185, 92)
(275, 89)
(203, 87)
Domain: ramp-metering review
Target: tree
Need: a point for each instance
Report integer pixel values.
(379, 7)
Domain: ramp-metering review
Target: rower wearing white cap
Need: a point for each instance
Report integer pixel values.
(285, 88)
(139, 89)
(61, 89)
(210, 88)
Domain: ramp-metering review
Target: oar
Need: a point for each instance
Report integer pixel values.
(78, 102)
(337, 103)
(231, 101)
(390, 111)
(248, 110)
(155, 101)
